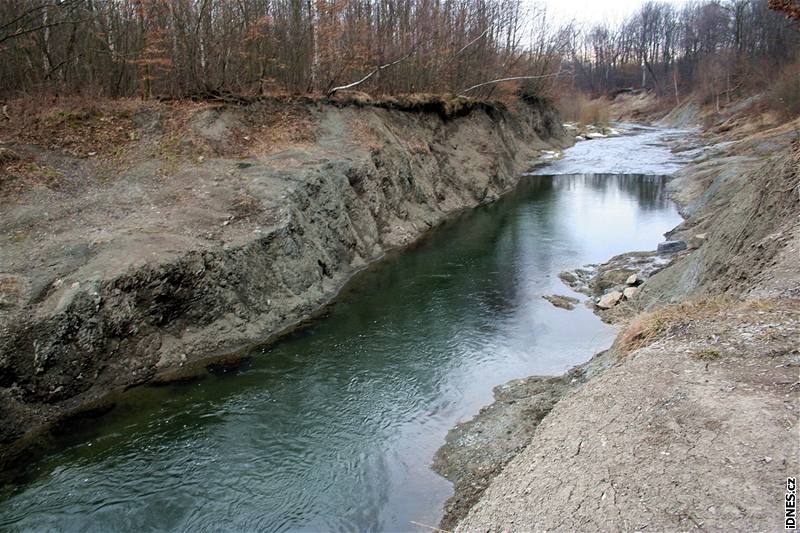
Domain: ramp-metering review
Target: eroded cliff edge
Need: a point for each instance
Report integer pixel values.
(206, 228)
(689, 421)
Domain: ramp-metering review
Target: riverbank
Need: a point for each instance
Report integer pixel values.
(697, 397)
(147, 242)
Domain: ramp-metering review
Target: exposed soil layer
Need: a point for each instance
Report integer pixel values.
(198, 229)
(690, 420)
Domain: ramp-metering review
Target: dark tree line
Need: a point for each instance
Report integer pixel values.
(180, 48)
(188, 47)
(713, 47)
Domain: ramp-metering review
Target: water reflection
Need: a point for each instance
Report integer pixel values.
(334, 428)
(647, 190)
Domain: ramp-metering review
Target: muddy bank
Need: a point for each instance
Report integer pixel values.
(476, 451)
(179, 243)
(689, 432)
(697, 397)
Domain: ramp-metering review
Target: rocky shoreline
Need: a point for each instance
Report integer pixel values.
(516, 464)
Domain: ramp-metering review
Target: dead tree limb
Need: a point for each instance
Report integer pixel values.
(515, 78)
(20, 33)
(473, 41)
(372, 73)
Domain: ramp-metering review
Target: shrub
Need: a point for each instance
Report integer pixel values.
(784, 96)
(578, 107)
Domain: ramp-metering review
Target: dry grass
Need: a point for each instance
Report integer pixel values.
(649, 327)
(103, 128)
(784, 96)
(76, 126)
(258, 129)
(275, 128)
(366, 135)
(578, 107)
(445, 105)
(245, 206)
(26, 174)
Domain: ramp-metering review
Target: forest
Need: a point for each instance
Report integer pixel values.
(399, 265)
(191, 48)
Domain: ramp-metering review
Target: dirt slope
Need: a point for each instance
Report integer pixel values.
(697, 431)
(196, 231)
(690, 420)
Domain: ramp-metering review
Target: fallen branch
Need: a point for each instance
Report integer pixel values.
(515, 78)
(368, 76)
(55, 68)
(473, 41)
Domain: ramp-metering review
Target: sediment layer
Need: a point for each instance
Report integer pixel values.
(175, 261)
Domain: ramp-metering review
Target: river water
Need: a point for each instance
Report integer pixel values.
(335, 427)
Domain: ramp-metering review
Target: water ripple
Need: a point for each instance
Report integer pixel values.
(335, 428)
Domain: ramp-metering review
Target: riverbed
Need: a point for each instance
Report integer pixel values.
(334, 428)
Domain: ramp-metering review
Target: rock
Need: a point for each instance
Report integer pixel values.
(564, 302)
(633, 279)
(697, 241)
(579, 280)
(8, 156)
(607, 279)
(607, 301)
(595, 136)
(567, 277)
(549, 155)
(630, 292)
(671, 247)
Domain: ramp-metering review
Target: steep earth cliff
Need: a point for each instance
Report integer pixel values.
(204, 228)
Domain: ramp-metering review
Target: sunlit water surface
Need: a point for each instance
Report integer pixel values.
(335, 427)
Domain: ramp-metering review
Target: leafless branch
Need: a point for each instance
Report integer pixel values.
(515, 78)
(372, 73)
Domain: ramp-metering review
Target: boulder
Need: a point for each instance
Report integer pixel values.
(607, 301)
(610, 278)
(630, 292)
(568, 277)
(671, 247)
(697, 241)
(633, 279)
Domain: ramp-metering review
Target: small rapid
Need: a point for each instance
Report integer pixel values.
(638, 150)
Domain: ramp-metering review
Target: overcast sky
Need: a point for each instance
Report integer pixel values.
(592, 10)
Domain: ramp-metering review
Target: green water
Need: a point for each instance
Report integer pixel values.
(334, 428)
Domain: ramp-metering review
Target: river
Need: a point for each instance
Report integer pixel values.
(334, 428)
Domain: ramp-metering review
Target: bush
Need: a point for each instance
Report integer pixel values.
(578, 107)
(784, 97)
